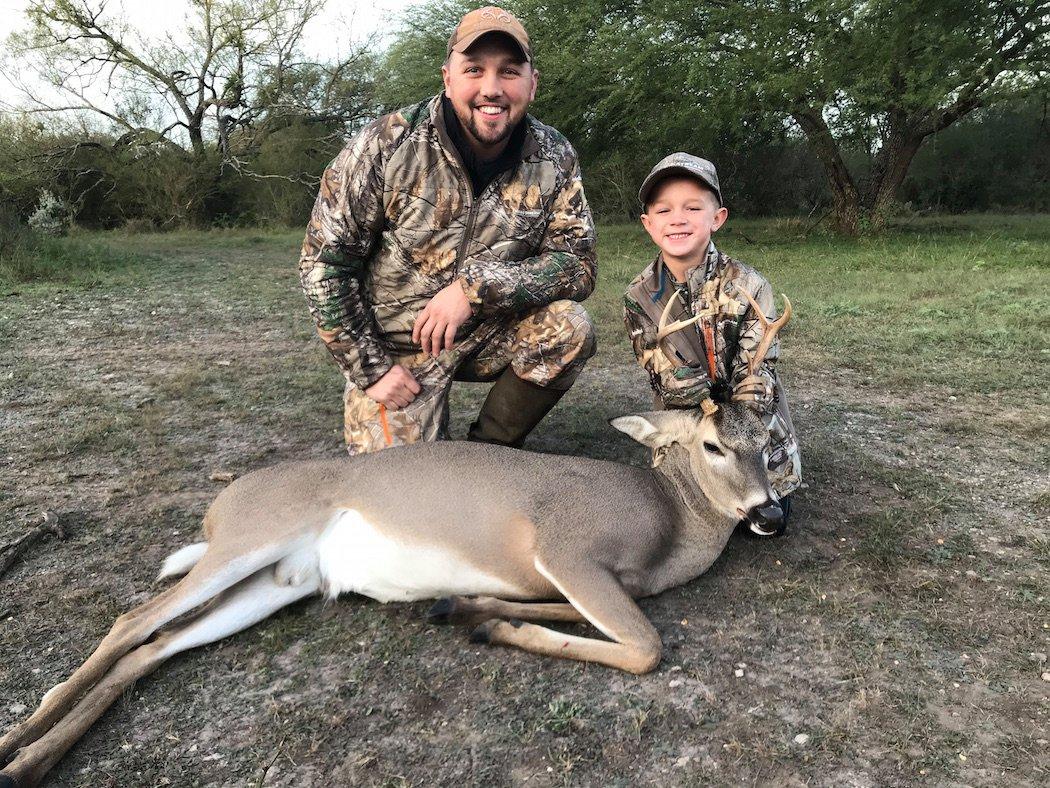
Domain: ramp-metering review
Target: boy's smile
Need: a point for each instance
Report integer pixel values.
(680, 217)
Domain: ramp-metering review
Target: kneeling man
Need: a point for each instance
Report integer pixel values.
(450, 241)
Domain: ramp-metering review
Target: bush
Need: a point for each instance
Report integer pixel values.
(51, 216)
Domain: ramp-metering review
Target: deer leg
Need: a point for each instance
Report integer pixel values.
(247, 603)
(212, 575)
(474, 610)
(598, 595)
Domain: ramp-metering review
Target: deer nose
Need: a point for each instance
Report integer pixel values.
(766, 519)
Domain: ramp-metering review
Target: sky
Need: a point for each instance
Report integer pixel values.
(351, 20)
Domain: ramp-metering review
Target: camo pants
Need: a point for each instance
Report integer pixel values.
(547, 346)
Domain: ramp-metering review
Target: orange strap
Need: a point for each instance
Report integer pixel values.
(709, 341)
(386, 426)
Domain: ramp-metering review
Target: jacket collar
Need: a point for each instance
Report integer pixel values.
(656, 279)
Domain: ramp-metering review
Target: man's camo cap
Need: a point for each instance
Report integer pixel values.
(488, 20)
(681, 164)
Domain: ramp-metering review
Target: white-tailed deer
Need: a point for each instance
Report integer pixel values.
(505, 526)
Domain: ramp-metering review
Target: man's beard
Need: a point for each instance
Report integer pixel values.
(470, 125)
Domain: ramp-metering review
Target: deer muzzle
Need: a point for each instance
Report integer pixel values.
(766, 519)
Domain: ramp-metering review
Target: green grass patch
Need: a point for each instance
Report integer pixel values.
(76, 260)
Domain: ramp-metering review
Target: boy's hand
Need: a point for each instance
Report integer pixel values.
(753, 388)
(435, 328)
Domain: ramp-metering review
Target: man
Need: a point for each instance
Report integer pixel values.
(451, 240)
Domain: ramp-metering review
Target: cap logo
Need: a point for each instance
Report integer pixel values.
(502, 16)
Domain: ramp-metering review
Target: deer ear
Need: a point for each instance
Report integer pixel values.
(657, 430)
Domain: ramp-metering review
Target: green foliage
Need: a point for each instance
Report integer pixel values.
(411, 66)
(631, 80)
(997, 158)
(627, 81)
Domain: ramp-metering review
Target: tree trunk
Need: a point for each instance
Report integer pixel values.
(891, 167)
(844, 194)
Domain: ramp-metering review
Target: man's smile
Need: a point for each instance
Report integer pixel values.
(491, 110)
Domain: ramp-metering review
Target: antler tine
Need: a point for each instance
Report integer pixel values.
(664, 329)
(771, 330)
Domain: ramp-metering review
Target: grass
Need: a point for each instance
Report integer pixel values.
(81, 260)
(917, 561)
(958, 304)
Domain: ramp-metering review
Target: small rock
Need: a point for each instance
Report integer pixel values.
(675, 683)
(1046, 675)
(222, 476)
(17, 708)
(739, 673)
(802, 739)
(1037, 656)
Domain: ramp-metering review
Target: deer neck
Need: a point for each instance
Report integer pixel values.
(677, 480)
(700, 532)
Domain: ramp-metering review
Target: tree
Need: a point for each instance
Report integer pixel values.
(608, 81)
(876, 77)
(863, 82)
(237, 77)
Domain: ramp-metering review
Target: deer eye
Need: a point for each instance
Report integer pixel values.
(712, 448)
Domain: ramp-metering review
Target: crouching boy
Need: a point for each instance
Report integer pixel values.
(682, 207)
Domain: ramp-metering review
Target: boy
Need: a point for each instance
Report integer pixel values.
(682, 206)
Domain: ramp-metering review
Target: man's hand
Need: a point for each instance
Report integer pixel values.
(396, 389)
(435, 328)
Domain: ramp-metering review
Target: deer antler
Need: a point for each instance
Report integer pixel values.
(771, 330)
(708, 405)
(663, 329)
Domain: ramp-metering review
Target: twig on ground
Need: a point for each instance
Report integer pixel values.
(812, 227)
(10, 552)
(262, 777)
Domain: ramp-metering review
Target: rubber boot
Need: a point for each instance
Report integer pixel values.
(511, 410)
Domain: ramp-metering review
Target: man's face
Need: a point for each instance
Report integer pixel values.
(490, 88)
(680, 217)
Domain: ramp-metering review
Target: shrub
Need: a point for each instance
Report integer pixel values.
(51, 216)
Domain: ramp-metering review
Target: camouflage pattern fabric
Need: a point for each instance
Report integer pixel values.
(678, 366)
(548, 346)
(395, 221)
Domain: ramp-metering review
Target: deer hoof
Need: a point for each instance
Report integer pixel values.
(483, 632)
(441, 612)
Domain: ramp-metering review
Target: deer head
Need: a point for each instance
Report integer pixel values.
(727, 451)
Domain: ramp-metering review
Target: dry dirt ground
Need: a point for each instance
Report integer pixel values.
(897, 636)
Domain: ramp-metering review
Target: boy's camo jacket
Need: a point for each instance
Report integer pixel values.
(677, 367)
(395, 221)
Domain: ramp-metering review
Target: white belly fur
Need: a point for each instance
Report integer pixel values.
(353, 555)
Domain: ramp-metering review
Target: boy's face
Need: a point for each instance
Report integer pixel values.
(680, 217)
(490, 88)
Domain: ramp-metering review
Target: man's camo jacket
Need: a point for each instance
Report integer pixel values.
(395, 221)
(677, 367)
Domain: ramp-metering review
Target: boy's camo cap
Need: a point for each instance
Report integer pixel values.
(489, 19)
(681, 164)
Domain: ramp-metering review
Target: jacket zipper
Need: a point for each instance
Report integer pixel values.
(468, 230)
